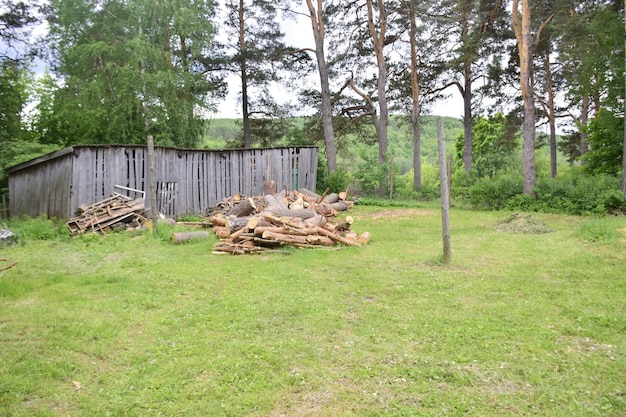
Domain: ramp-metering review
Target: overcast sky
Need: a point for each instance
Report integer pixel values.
(299, 34)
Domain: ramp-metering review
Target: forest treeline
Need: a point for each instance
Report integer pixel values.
(541, 85)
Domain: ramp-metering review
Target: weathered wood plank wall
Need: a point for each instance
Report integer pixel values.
(188, 181)
(45, 192)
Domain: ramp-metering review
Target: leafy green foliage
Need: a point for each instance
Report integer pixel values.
(38, 228)
(494, 193)
(132, 69)
(606, 140)
(369, 173)
(572, 193)
(579, 194)
(338, 181)
(493, 145)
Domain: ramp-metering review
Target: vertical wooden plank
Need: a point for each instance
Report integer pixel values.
(230, 190)
(192, 173)
(207, 182)
(83, 176)
(206, 189)
(195, 180)
(210, 177)
(222, 176)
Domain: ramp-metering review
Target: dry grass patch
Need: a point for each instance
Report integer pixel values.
(523, 223)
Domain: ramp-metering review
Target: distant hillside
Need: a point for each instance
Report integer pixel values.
(221, 132)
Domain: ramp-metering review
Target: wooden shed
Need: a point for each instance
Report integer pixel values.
(188, 181)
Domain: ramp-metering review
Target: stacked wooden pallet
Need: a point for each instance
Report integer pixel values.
(117, 210)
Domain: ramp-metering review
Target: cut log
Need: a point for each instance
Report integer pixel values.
(336, 237)
(244, 208)
(285, 221)
(339, 205)
(325, 210)
(221, 232)
(309, 193)
(364, 239)
(236, 223)
(269, 188)
(218, 220)
(302, 213)
(331, 198)
(298, 204)
(320, 240)
(284, 237)
(259, 230)
(180, 237)
(317, 220)
(236, 249)
(274, 202)
(250, 225)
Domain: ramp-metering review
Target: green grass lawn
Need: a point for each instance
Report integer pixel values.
(131, 325)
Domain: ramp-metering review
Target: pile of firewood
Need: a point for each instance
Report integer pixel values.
(297, 218)
(113, 212)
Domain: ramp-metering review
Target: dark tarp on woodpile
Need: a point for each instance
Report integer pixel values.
(299, 218)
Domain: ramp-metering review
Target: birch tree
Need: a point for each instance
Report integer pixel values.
(124, 62)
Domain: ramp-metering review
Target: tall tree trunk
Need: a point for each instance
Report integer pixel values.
(415, 98)
(624, 147)
(466, 92)
(467, 117)
(551, 113)
(524, 45)
(584, 119)
(247, 142)
(317, 22)
(378, 39)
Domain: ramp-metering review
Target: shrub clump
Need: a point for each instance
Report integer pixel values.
(573, 193)
(38, 228)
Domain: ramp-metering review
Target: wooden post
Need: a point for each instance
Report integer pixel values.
(445, 192)
(154, 212)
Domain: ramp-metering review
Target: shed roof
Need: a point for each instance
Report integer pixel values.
(70, 149)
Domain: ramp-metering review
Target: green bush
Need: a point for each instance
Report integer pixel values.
(337, 181)
(522, 202)
(38, 228)
(611, 201)
(370, 174)
(573, 193)
(578, 194)
(461, 181)
(494, 193)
